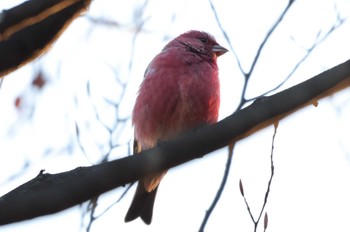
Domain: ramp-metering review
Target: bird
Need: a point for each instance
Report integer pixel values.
(180, 91)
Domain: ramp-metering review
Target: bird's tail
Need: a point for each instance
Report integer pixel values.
(142, 204)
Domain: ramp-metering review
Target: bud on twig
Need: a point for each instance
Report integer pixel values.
(241, 187)
(266, 221)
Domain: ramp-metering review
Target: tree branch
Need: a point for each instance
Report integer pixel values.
(47, 193)
(27, 30)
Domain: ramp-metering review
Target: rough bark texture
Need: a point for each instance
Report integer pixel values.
(27, 30)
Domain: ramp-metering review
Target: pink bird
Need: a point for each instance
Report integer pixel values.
(179, 92)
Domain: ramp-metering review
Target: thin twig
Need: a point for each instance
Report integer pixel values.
(119, 199)
(248, 74)
(221, 188)
(256, 221)
(243, 100)
(269, 33)
(226, 36)
(92, 205)
(120, 123)
(318, 40)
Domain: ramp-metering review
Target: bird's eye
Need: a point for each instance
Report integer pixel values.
(203, 40)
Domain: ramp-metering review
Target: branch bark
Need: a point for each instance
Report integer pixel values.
(27, 30)
(50, 193)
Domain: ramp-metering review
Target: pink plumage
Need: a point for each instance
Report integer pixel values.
(180, 91)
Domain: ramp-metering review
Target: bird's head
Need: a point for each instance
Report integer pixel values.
(201, 43)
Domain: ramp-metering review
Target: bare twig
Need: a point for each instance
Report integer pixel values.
(318, 40)
(221, 188)
(139, 22)
(256, 221)
(102, 21)
(269, 33)
(247, 76)
(227, 38)
(93, 203)
(120, 123)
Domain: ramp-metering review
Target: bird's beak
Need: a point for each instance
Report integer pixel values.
(219, 50)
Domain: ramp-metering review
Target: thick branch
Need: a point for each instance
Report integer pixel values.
(27, 30)
(48, 193)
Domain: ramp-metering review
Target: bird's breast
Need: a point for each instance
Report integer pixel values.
(173, 99)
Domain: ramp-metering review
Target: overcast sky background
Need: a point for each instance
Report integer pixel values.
(310, 189)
